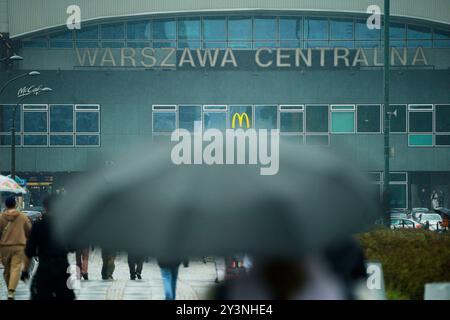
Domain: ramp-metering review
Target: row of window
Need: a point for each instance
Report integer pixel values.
(425, 124)
(242, 32)
(43, 125)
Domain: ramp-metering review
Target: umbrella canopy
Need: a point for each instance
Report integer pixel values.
(159, 209)
(9, 185)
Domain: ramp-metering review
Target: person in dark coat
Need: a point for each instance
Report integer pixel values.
(135, 264)
(169, 273)
(108, 266)
(50, 280)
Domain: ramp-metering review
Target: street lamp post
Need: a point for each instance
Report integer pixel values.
(13, 133)
(387, 111)
(28, 74)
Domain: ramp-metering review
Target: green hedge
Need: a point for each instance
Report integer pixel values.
(410, 259)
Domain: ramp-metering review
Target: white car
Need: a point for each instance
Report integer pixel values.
(416, 212)
(431, 221)
(404, 224)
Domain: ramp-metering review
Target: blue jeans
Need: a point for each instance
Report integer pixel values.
(169, 277)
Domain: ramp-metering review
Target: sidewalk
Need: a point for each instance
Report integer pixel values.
(193, 282)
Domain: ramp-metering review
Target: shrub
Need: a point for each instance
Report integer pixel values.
(410, 258)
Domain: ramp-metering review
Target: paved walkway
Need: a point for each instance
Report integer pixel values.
(193, 282)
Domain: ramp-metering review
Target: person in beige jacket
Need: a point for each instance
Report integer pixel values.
(15, 228)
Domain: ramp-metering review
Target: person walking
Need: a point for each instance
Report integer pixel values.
(15, 228)
(108, 257)
(169, 273)
(434, 200)
(50, 280)
(135, 264)
(82, 259)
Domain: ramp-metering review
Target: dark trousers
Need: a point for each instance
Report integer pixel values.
(50, 283)
(135, 263)
(108, 264)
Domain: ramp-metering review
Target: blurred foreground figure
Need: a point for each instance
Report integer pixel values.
(14, 230)
(82, 258)
(331, 275)
(50, 280)
(135, 264)
(108, 266)
(169, 273)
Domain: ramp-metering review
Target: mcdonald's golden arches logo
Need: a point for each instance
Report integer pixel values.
(240, 117)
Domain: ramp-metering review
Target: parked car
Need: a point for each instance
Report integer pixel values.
(33, 215)
(416, 212)
(431, 221)
(404, 224)
(399, 215)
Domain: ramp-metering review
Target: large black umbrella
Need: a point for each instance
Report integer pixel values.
(151, 206)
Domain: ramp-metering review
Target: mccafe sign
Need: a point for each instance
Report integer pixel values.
(29, 90)
(261, 58)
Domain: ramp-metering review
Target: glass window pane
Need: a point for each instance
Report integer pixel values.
(369, 118)
(113, 44)
(291, 28)
(316, 44)
(61, 44)
(240, 28)
(341, 44)
(164, 29)
(113, 31)
(189, 28)
(266, 117)
(443, 140)
(291, 122)
(215, 28)
(398, 196)
(214, 45)
(419, 32)
(35, 140)
(443, 118)
(316, 118)
(367, 44)
(343, 122)
(239, 115)
(290, 44)
(240, 45)
(265, 28)
(441, 43)
(441, 34)
(64, 35)
(189, 44)
(87, 33)
(364, 33)
(215, 120)
(5, 140)
(87, 121)
(139, 30)
(6, 115)
(61, 118)
(316, 28)
(341, 29)
(420, 121)
(190, 118)
(35, 44)
(164, 121)
(317, 140)
(419, 43)
(88, 140)
(87, 44)
(61, 140)
(138, 44)
(164, 44)
(420, 140)
(35, 121)
(398, 122)
(266, 44)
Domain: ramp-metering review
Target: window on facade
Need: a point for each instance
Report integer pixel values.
(317, 118)
(87, 140)
(441, 38)
(189, 29)
(139, 30)
(443, 140)
(341, 29)
(316, 28)
(240, 28)
(215, 29)
(5, 140)
(61, 39)
(35, 140)
(215, 117)
(87, 33)
(420, 140)
(342, 119)
(443, 118)
(190, 118)
(291, 28)
(265, 28)
(61, 118)
(398, 196)
(164, 119)
(368, 118)
(35, 118)
(420, 121)
(364, 33)
(266, 117)
(240, 117)
(398, 121)
(87, 121)
(61, 140)
(291, 119)
(164, 29)
(6, 116)
(113, 31)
